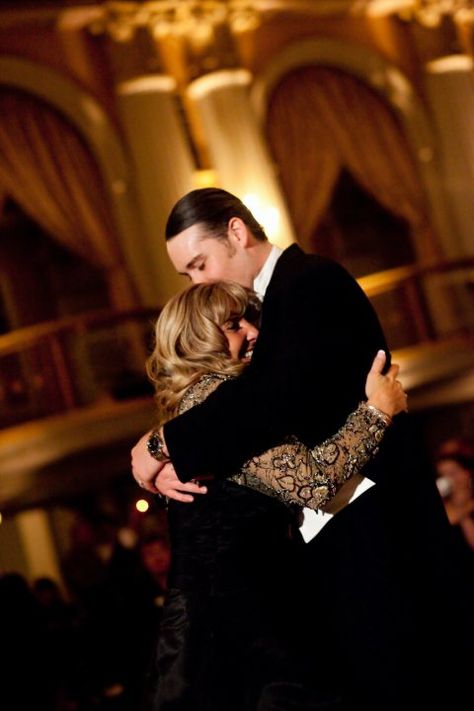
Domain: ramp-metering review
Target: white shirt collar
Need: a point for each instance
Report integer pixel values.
(262, 279)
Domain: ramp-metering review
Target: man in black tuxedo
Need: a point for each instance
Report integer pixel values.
(373, 576)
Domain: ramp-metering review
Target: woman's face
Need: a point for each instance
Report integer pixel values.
(241, 337)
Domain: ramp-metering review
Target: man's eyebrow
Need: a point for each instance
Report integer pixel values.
(192, 263)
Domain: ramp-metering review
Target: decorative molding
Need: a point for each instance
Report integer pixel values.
(429, 13)
(195, 19)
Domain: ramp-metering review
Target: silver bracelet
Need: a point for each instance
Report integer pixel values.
(156, 446)
(383, 415)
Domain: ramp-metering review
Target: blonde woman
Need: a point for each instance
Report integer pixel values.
(232, 583)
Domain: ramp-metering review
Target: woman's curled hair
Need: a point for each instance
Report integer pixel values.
(190, 343)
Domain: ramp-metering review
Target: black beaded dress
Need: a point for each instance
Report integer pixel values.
(231, 617)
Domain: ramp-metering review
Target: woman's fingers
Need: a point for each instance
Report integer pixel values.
(168, 484)
(393, 371)
(378, 363)
(177, 496)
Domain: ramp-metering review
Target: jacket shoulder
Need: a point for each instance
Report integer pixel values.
(297, 267)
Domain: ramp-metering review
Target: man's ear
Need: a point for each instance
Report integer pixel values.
(237, 231)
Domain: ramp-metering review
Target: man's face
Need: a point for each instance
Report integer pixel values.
(206, 259)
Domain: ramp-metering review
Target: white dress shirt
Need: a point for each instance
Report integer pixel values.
(264, 276)
(313, 521)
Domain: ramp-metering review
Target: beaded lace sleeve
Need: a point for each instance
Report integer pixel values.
(297, 474)
(311, 477)
(200, 390)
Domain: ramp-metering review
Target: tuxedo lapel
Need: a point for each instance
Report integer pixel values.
(291, 258)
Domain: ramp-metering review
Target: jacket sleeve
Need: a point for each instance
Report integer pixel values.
(295, 473)
(305, 337)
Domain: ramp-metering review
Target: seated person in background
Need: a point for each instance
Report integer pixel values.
(455, 480)
(230, 580)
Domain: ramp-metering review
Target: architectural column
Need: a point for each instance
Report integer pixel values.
(163, 169)
(38, 545)
(450, 87)
(237, 148)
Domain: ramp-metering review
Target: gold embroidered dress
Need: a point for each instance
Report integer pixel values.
(235, 568)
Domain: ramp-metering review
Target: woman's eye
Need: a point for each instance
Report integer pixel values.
(232, 325)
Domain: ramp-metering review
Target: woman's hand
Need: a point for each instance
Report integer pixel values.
(385, 392)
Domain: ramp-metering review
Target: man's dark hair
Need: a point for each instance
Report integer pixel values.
(213, 208)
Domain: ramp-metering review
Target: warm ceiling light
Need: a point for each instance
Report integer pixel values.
(266, 215)
(142, 505)
(205, 178)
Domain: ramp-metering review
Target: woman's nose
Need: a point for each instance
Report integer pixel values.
(251, 331)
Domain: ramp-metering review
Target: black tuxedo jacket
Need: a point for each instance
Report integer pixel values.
(318, 337)
(375, 580)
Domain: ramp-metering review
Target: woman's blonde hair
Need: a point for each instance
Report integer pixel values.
(189, 341)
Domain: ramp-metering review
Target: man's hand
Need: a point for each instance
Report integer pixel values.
(168, 484)
(145, 469)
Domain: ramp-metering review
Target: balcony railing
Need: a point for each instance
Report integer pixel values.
(78, 361)
(74, 362)
(419, 304)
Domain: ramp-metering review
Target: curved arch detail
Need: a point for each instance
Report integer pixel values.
(93, 124)
(368, 66)
(79, 107)
(392, 86)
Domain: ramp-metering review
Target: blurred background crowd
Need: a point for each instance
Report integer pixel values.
(87, 643)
